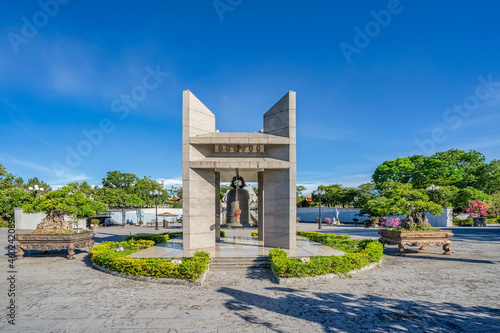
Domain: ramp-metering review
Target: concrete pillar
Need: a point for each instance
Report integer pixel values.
(279, 210)
(261, 194)
(217, 206)
(280, 184)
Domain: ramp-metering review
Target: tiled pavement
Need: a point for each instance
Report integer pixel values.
(421, 292)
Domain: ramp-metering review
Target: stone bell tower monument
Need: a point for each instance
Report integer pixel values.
(267, 158)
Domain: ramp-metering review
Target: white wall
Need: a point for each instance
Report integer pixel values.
(30, 221)
(309, 214)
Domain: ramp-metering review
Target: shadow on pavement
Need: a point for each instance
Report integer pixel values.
(355, 313)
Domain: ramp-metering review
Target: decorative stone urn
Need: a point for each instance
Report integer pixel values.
(479, 221)
(417, 238)
(46, 242)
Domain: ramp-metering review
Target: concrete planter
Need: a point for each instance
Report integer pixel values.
(47, 242)
(479, 221)
(416, 238)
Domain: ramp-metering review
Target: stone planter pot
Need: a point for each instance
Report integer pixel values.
(416, 238)
(479, 221)
(46, 242)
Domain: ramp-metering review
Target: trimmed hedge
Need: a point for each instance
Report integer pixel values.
(105, 255)
(359, 253)
(471, 222)
(156, 238)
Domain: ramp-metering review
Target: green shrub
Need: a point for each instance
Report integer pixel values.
(223, 233)
(4, 224)
(105, 255)
(471, 222)
(359, 253)
(255, 234)
(156, 238)
(94, 221)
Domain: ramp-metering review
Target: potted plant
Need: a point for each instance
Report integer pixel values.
(298, 219)
(54, 233)
(328, 220)
(372, 222)
(94, 224)
(415, 230)
(479, 210)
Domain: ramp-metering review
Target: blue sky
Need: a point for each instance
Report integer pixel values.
(375, 80)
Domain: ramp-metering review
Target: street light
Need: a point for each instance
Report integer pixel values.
(319, 193)
(432, 189)
(36, 189)
(156, 194)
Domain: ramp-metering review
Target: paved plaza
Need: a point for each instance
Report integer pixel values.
(420, 292)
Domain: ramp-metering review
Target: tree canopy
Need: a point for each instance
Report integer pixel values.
(401, 199)
(461, 176)
(118, 179)
(66, 200)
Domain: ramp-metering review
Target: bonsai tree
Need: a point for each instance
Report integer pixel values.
(56, 204)
(403, 199)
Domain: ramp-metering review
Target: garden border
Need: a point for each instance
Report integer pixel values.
(198, 282)
(330, 276)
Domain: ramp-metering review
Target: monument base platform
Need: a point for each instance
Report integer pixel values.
(236, 245)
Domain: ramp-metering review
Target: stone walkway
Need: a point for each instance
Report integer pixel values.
(420, 292)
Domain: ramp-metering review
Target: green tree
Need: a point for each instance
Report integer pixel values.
(11, 198)
(366, 192)
(175, 191)
(66, 200)
(117, 179)
(332, 197)
(495, 200)
(463, 196)
(35, 181)
(299, 196)
(7, 179)
(398, 170)
(432, 170)
(143, 186)
(116, 197)
(445, 196)
(493, 175)
(401, 199)
(471, 166)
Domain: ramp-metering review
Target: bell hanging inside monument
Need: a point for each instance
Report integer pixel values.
(238, 204)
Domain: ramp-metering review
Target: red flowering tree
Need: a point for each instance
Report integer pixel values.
(479, 208)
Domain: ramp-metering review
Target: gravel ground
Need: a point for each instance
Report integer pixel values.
(420, 292)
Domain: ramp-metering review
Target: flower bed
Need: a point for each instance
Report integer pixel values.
(359, 253)
(107, 256)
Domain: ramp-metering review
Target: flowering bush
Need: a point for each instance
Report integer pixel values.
(479, 208)
(393, 223)
(328, 220)
(383, 224)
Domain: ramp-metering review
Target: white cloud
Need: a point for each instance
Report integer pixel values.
(170, 181)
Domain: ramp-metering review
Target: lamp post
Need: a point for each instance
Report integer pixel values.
(432, 189)
(319, 193)
(156, 194)
(36, 189)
